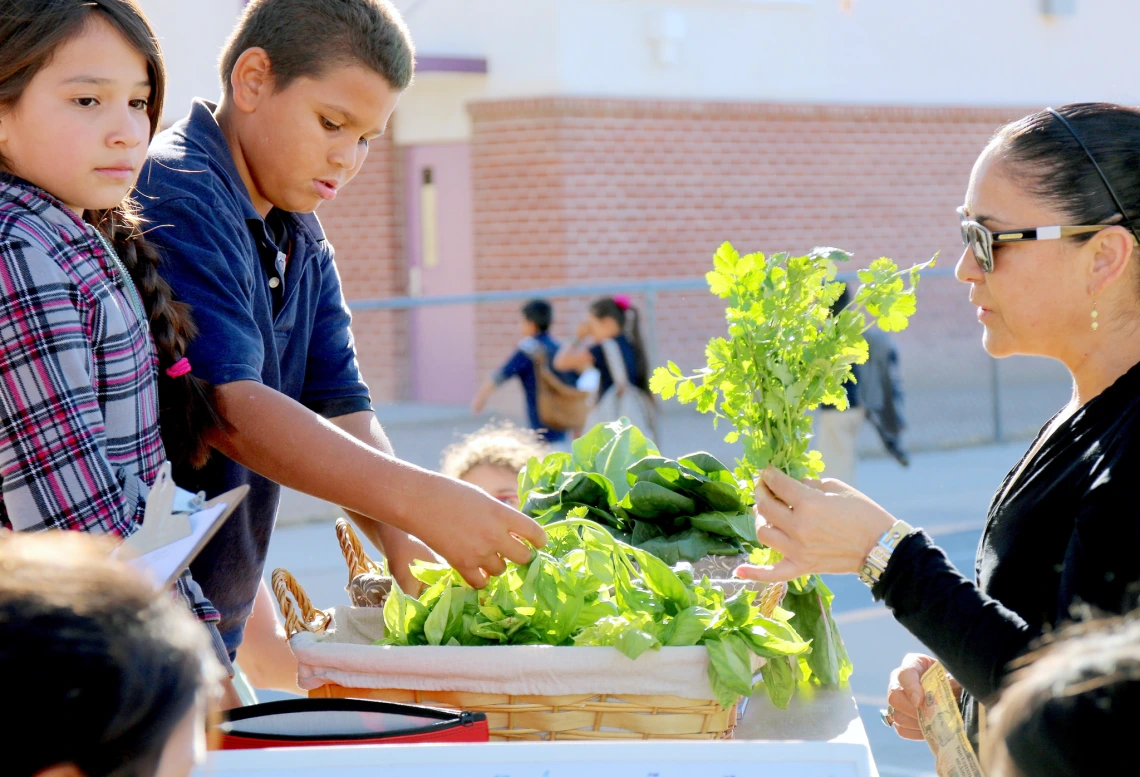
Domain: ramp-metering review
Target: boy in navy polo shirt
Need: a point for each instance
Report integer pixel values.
(229, 194)
(537, 316)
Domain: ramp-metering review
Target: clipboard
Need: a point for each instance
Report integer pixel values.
(168, 541)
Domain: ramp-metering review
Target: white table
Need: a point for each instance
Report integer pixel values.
(818, 736)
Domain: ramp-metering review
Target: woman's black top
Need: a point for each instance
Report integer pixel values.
(1063, 533)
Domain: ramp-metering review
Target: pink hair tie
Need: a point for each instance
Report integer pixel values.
(179, 368)
(623, 301)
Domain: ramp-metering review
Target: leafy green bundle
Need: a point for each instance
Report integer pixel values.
(679, 510)
(587, 588)
(785, 353)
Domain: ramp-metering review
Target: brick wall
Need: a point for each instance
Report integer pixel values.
(584, 190)
(365, 225)
(571, 191)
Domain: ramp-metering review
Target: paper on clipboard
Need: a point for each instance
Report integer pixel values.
(166, 561)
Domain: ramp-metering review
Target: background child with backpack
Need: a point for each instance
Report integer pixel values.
(533, 357)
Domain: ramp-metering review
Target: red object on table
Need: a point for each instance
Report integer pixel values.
(329, 722)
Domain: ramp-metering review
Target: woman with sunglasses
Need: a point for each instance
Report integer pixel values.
(1050, 226)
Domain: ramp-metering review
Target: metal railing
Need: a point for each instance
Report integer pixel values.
(998, 396)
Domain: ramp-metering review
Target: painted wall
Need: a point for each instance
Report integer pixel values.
(881, 52)
(191, 33)
(918, 52)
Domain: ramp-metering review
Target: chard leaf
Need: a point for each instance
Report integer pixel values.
(740, 526)
(651, 501)
(690, 545)
(610, 450)
(778, 680)
(644, 531)
(708, 465)
(828, 660)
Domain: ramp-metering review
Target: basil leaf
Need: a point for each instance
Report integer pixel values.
(730, 659)
(436, 623)
(687, 628)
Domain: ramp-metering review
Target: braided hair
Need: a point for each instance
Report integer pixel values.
(187, 404)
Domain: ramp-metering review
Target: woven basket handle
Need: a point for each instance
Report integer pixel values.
(300, 614)
(352, 549)
(772, 598)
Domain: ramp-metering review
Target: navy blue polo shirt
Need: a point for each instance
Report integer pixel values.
(283, 325)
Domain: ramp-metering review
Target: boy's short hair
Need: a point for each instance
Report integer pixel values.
(496, 444)
(305, 38)
(539, 313)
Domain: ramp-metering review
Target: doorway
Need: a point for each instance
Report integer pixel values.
(440, 263)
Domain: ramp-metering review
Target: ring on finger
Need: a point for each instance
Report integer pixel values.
(888, 716)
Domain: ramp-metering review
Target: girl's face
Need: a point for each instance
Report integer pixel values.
(602, 328)
(80, 130)
(1036, 299)
(498, 481)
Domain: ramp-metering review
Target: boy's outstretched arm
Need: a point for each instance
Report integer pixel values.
(284, 441)
(399, 547)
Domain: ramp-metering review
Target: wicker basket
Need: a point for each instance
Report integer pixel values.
(596, 716)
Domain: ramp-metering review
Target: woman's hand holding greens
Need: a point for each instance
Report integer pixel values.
(817, 526)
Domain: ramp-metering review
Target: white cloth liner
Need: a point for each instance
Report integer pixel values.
(347, 658)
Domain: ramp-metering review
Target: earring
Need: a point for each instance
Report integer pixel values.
(1095, 315)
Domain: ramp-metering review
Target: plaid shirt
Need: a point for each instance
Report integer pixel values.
(78, 379)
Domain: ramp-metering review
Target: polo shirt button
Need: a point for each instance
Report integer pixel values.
(274, 283)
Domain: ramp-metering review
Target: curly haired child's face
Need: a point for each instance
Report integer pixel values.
(500, 482)
(80, 129)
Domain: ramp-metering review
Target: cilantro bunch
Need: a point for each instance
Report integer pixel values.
(785, 353)
(587, 588)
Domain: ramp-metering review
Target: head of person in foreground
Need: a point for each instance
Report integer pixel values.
(110, 673)
(1072, 708)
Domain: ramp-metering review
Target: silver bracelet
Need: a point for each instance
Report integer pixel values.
(876, 563)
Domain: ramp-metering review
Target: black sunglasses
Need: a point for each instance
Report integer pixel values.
(981, 240)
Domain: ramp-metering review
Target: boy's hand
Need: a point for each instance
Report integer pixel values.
(475, 532)
(402, 555)
(281, 439)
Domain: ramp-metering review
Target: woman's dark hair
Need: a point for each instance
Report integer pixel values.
(30, 33)
(99, 666)
(539, 313)
(1046, 156)
(629, 321)
(1071, 707)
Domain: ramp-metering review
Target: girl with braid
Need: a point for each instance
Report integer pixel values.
(89, 333)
